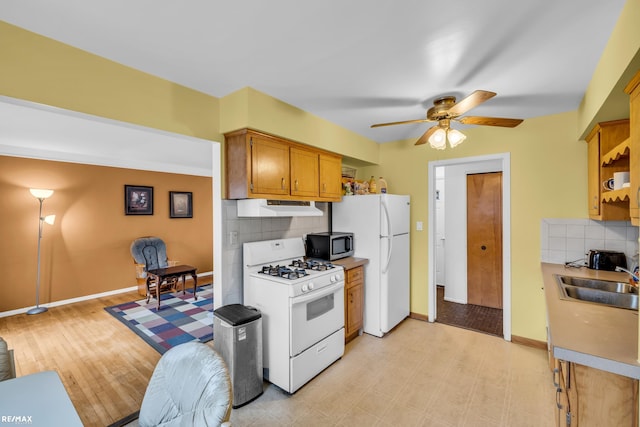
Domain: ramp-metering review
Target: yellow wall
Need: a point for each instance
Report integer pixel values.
(605, 99)
(249, 108)
(548, 180)
(39, 69)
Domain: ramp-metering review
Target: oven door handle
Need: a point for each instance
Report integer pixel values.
(319, 294)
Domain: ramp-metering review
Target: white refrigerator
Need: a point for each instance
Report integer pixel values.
(380, 224)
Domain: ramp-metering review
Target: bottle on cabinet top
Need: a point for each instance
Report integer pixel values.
(382, 185)
(372, 185)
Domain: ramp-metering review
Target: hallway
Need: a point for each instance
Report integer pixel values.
(474, 317)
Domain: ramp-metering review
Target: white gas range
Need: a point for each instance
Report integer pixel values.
(302, 306)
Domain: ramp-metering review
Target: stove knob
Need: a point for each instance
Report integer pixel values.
(305, 288)
(311, 286)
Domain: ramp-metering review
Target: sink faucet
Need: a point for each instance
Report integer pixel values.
(635, 278)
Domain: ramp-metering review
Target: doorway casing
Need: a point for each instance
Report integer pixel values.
(505, 161)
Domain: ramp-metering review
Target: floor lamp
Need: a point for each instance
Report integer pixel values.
(40, 194)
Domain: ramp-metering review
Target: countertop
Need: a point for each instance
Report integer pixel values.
(350, 262)
(590, 334)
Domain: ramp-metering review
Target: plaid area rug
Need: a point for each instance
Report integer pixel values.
(180, 318)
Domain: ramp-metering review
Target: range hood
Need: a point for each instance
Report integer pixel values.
(270, 208)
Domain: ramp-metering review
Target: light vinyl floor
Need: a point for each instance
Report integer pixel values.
(420, 374)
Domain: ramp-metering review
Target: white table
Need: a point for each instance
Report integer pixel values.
(38, 399)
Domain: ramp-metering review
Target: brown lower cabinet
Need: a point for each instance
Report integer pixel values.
(354, 302)
(353, 296)
(587, 396)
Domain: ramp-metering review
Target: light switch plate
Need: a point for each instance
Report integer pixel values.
(419, 225)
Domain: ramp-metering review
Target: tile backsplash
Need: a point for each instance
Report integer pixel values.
(241, 230)
(568, 240)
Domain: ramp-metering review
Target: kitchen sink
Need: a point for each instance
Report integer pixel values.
(603, 285)
(605, 292)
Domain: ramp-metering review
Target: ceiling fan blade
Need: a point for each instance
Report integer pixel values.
(400, 123)
(490, 121)
(425, 136)
(471, 101)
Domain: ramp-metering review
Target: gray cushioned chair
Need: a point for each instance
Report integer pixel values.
(7, 365)
(150, 251)
(190, 386)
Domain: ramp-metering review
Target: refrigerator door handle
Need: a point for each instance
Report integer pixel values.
(389, 236)
(386, 265)
(385, 209)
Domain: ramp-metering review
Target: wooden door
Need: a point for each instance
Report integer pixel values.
(269, 167)
(484, 239)
(304, 173)
(330, 177)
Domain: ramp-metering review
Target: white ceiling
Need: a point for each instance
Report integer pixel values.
(354, 63)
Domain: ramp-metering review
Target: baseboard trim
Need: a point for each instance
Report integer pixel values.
(83, 298)
(529, 342)
(419, 316)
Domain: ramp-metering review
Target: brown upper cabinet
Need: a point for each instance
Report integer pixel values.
(259, 165)
(608, 152)
(633, 89)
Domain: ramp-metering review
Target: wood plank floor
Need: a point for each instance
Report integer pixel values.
(104, 366)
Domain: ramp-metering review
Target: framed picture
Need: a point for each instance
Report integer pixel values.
(138, 200)
(180, 204)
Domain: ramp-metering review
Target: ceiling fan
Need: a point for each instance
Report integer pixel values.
(446, 109)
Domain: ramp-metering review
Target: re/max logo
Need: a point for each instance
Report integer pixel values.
(16, 419)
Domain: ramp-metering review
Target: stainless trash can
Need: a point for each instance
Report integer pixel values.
(237, 337)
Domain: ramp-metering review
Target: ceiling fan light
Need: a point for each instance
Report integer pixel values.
(438, 139)
(455, 137)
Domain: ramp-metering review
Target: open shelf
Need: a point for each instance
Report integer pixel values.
(612, 196)
(618, 152)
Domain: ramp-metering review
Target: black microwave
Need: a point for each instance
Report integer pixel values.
(329, 246)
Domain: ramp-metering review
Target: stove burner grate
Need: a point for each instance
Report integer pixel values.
(284, 272)
(312, 264)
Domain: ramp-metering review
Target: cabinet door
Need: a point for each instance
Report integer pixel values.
(605, 399)
(269, 167)
(353, 322)
(593, 176)
(330, 177)
(634, 148)
(304, 173)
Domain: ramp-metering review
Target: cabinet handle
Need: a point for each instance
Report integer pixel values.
(296, 184)
(556, 383)
(324, 186)
(638, 197)
(558, 391)
(282, 183)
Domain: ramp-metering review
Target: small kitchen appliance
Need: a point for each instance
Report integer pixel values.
(606, 260)
(302, 304)
(330, 246)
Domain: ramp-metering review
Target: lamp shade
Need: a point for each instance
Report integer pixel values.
(438, 139)
(455, 137)
(40, 193)
(49, 219)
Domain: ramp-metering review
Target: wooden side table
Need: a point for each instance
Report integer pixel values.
(169, 276)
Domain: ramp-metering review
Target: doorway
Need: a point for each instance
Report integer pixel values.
(448, 279)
